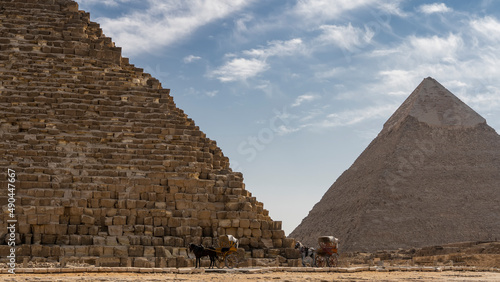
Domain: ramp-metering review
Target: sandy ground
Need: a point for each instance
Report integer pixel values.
(271, 276)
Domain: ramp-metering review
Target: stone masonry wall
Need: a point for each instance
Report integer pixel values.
(109, 170)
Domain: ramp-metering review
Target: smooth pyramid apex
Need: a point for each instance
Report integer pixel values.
(433, 104)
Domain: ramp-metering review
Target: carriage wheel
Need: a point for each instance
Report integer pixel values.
(320, 261)
(231, 260)
(219, 261)
(333, 260)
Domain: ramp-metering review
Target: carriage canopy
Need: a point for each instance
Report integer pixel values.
(328, 241)
(228, 241)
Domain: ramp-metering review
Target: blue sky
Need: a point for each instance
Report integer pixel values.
(294, 91)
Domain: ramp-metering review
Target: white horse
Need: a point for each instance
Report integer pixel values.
(305, 252)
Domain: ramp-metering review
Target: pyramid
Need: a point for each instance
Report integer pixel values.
(107, 169)
(430, 177)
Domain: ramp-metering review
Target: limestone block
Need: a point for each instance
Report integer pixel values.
(235, 222)
(110, 212)
(182, 205)
(47, 239)
(75, 219)
(43, 219)
(120, 251)
(62, 240)
(130, 204)
(204, 214)
(196, 231)
(149, 251)
(109, 261)
(157, 221)
(246, 206)
(255, 224)
(136, 251)
(247, 232)
(115, 230)
(146, 240)
(244, 223)
(86, 219)
(161, 251)
(174, 222)
(258, 253)
(267, 234)
(278, 234)
(264, 225)
(159, 231)
(157, 241)
(292, 253)
(183, 230)
(93, 230)
(288, 242)
(111, 241)
(81, 251)
(277, 243)
(32, 219)
(67, 251)
(239, 232)
(276, 225)
(29, 210)
(256, 233)
(233, 215)
(96, 251)
(108, 203)
(225, 223)
(123, 240)
(75, 240)
(273, 253)
(134, 239)
(119, 220)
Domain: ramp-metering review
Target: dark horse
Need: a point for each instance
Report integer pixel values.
(305, 252)
(200, 251)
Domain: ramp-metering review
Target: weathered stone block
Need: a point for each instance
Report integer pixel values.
(120, 251)
(258, 253)
(115, 230)
(119, 220)
(225, 223)
(86, 219)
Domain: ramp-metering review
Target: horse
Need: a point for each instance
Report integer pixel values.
(305, 252)
(200, 251)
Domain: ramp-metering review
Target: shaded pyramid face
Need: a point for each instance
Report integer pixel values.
(107, 167)
(429, 177)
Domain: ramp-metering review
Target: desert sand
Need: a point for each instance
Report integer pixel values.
(270, 276)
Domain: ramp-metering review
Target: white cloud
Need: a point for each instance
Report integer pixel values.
(351, 117)
(212, 93)
(436, 48)
(345, 37)
(243, 68)
(304, 98)
(425, 49)
(190, 59)
(487, 27)
(434, 8)
(325, 9)
(239, 69)
(112, 3)
(164, 23)
(278, 48)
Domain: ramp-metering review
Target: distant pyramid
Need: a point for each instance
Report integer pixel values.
(430, 177)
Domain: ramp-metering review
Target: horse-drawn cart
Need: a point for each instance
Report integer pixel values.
(227, 251)
(327, 254)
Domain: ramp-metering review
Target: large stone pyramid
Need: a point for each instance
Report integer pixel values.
(430, 177)
(108, 170)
